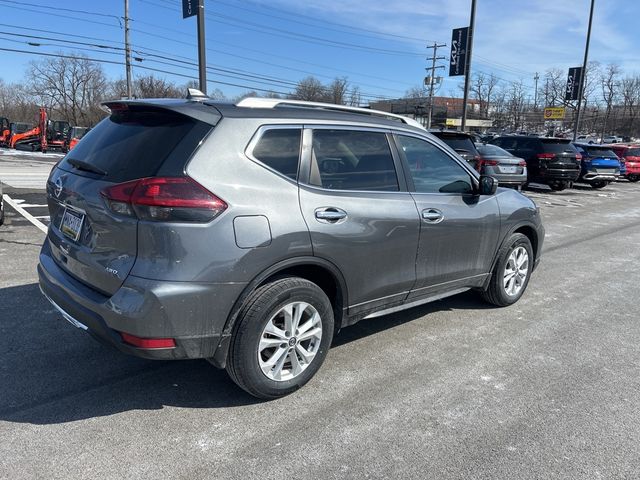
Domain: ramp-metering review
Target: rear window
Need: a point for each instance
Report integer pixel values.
(459, 143)
(601, 152)
(558, 146)
(136, 143)
(493, 150)
(633, 152)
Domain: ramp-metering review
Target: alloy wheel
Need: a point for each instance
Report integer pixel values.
(516, 271)
(290, 341)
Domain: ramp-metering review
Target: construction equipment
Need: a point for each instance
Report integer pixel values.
(5, 131)
(73, 137)
(47, 134)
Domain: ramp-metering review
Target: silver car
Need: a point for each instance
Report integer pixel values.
(508, 169)
(249, 234)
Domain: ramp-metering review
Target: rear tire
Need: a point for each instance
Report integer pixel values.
(511, 273)
(598, 184)
(558, 186)
(281, 339)
(633, 177)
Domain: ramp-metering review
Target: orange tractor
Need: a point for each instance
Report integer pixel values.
(73, 137)
(47, 134)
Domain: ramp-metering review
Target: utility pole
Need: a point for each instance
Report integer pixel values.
(127, 47)
(467, 75)
(584, 74)
(202, 60)
(535, 93)
(432, 76)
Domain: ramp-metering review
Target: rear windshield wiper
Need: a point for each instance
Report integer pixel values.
(87, 167)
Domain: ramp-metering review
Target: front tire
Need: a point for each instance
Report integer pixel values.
(599, 184)
(511, 273)
(282, 337)
(633, 177)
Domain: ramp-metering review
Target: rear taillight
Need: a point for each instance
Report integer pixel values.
(522, 163)
(578, 157)
(164, 199)
(491, 163)
(546, 156)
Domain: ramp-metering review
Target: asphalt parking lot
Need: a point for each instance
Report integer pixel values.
(547, 388)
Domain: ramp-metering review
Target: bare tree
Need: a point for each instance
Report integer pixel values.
(609, 83)
(71, 87)
(482, 88)
(150, 86)
(630, 92)
(310, 89)
(355, 97)
(336, 91)
(16, 103)
(417, 91)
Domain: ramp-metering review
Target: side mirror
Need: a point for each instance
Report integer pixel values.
(488, 185)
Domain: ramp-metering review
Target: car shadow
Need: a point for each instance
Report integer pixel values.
(52, 373)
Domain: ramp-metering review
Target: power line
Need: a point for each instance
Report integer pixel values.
(113, 62)
(278, 32)
(26, 9)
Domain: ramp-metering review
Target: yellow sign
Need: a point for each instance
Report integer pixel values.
(553, 113)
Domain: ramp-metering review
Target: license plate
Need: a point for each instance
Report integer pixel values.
(71, 225)
(508, 169)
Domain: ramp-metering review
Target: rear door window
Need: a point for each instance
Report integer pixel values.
(132, 144)
(352, 160)
(279, 149)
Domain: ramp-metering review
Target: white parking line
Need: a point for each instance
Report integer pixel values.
(25, 214)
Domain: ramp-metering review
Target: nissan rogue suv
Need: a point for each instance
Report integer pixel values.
(249, 234)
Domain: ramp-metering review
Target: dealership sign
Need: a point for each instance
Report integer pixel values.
(190, 8)
(554, 113)
(574, 80)
(458, 60)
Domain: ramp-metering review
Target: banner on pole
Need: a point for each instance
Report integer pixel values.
(574, 80)
(190, 8)
(458, 59)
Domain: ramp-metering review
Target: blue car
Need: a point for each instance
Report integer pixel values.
(600, 165)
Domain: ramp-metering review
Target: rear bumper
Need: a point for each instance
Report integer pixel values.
(193, 314)
(552, 174)
(632, 169)
(599, 176)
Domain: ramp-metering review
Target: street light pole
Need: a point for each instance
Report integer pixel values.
(583, 77)
(467, 75)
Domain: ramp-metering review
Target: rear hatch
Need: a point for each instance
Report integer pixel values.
(603, 159)
(462, 144)
(559, 154)
(89, 238)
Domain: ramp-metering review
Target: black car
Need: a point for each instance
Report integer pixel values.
(462, 143)
(552, 161)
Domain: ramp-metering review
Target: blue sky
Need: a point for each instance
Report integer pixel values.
(379, 45)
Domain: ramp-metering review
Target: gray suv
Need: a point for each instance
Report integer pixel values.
(249, 234)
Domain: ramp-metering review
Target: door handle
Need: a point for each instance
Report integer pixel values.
(330, 214)
(432, 215)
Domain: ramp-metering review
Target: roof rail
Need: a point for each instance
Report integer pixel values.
(256, 102)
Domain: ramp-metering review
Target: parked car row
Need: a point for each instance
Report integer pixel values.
(516, 160)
